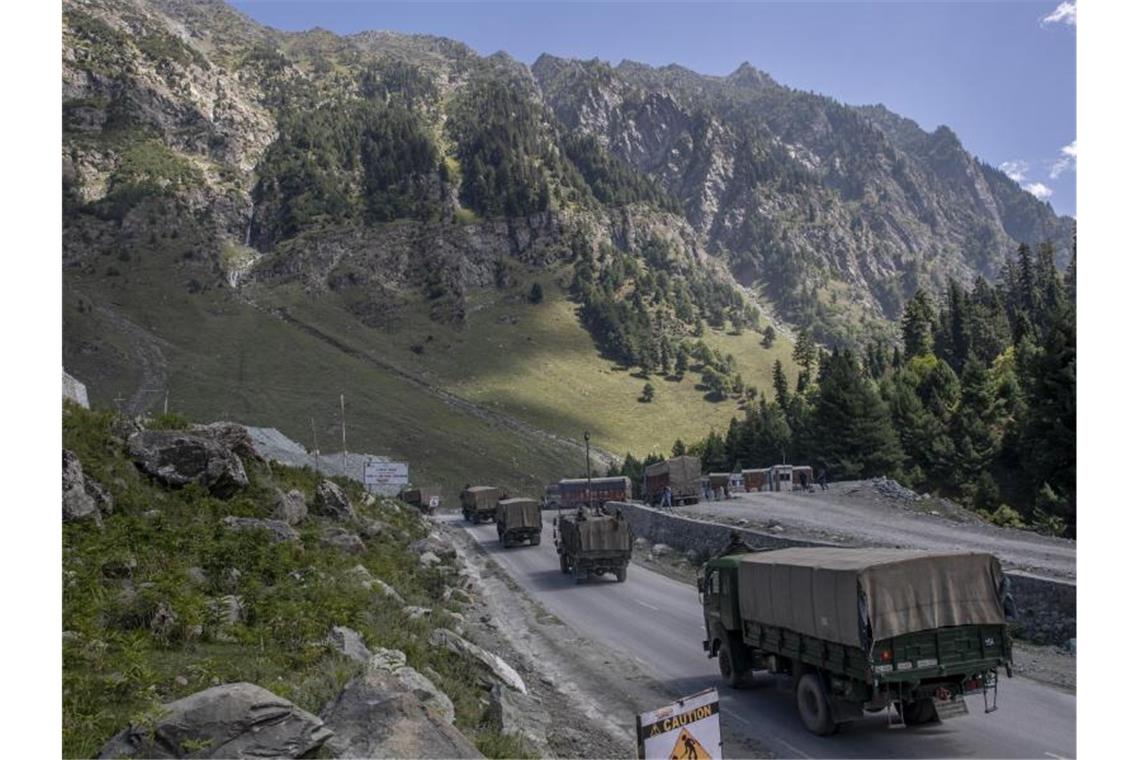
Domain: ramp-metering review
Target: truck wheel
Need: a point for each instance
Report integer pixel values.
(466, 516)
(581, 576)
(815, 712)
(620, 572)
(919, 711)
(538, 539)
(733, 667)
(563, 563)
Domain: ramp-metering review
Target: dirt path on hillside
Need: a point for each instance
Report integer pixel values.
(858, 514)
(146, 350)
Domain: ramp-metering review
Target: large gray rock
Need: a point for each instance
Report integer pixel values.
(518, 714)
(276, 530)
(450, 640)
(177, 458)
(435, 545)
(360, 572)
(331, 501)
(233, 436)
(377, 716)
(349, 643)
(290, 507)
(239, 720)
(394, 661)
(83, 498)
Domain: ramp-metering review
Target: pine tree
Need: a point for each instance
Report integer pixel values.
(648, 392)
(917, 324)
(780, 384)
(852, 435)
(804, 354)
(769, 337)
(973, 426)
(678, 448)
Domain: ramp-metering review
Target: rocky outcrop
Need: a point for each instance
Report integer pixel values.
(394, 661)
(349, 643)
(330, 500)
(376, 716)
(517, 714)
(233, 436)
(178, 458)
(290, 507)
(232, 720)
(441, 637)
(342, 539)
(360, 573)
(83, 497)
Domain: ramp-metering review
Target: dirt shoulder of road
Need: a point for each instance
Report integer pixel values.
(589, 692)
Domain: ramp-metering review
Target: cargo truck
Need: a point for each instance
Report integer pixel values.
(861, 629)
(426, 499)
(573, 491)
(593, 543)
(479, 502)
(683, 476)
(518, 521)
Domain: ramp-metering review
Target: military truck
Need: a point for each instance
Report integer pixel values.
(480, 502)
(861, 629)
(519, 520)
(575, 492)
(426, 498)
(683, 476)
(593, 542)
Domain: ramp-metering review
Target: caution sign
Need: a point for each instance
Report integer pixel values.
(688, 729)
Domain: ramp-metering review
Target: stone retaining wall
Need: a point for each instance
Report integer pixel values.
(1047, 609)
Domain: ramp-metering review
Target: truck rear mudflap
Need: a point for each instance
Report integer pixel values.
(953, 706)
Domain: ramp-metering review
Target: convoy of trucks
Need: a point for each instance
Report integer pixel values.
(860, 629)
(518, 521)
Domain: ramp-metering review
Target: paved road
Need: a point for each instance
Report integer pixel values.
(854, 512)
(658, 622)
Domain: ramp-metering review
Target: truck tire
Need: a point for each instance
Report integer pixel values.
(580, 575)
(466, 516)
(919, 711)
(562, 563)
(814, 709)
(620, 573)
(733, 664)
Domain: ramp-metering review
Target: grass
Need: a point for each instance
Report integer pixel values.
(119, 668)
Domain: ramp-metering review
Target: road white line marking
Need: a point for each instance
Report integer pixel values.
(646, 604)
(1055, 757)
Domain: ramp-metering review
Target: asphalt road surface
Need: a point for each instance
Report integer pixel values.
(657, 621)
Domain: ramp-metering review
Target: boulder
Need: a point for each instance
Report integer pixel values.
(441, 637)
(519, 714)
(331, 501)
(349, 643)
(196, 576)
(395, 663)
(233, 436)
(428, 559)
(290, 507)
(342, 539)
(415, 613)
(361, 573)
(178, 458)
(435, 545)
(277, 530)
(228, 610)
(78, 502)
(230, 720)
(641, 543)
(376, 716)
(662, 550)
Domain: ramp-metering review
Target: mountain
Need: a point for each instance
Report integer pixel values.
(482, 256)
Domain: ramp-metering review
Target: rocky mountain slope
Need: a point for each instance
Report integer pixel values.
(229, 187)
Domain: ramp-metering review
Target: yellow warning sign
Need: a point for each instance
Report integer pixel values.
(688, 748)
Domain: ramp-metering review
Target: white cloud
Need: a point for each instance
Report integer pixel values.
(1065, 13)
(1066, 161)
(1038, 190)
(1015, 170)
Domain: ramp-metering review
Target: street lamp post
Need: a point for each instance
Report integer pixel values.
(589, 500)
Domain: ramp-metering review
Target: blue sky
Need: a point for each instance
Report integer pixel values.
(1002, 75)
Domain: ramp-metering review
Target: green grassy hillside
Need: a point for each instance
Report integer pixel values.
(504, 398)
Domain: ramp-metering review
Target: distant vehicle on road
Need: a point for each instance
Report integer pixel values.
(861, 629)
(593, 543)
(517, 521)
(573, 491)
(479, 502)
(682, 474)
(552, 497)
(426, 498)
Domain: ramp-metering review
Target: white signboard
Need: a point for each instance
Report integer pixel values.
(380, 473)
(688, 729)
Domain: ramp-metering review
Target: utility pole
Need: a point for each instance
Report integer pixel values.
(343, 438)
(166, 403)
(589, 494)
(316, 451)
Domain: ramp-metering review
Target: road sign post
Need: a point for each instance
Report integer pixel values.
(688, 729)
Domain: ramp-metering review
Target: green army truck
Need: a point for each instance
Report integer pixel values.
(519, 521)
(861, 629)
(480, 502)
(593, 543)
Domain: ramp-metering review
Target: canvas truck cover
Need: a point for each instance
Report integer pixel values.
(597, 533)
(816, 591)
(684, 474)
(519, 513)
(480, 497)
